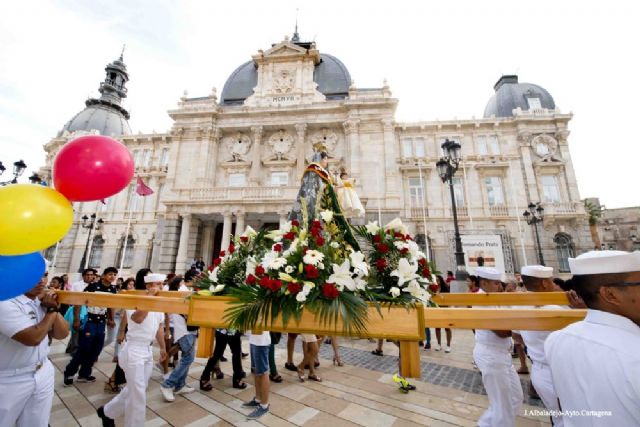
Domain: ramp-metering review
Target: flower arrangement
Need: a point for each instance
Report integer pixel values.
(400, 272)
(303, 267)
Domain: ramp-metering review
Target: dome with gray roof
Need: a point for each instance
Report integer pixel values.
(509, 95)
(330, 74)
(105, 114)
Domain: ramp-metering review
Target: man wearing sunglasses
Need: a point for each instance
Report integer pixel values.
(595, 363)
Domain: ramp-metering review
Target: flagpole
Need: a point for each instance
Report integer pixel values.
(125, 241)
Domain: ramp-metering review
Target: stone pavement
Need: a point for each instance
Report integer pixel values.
(359, 393)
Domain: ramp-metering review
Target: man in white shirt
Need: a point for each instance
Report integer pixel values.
(538, 278)
(492, 354)
(595, 363)
(136, 359)
(26, 374)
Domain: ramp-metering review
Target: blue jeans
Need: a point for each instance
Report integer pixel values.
(427, 332)
(178, 376)
(90, 343)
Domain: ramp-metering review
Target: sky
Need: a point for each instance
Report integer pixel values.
(441, 59)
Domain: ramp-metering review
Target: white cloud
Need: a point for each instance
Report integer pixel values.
(440, 58)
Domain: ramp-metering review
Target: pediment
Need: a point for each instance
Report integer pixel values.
(285, 48)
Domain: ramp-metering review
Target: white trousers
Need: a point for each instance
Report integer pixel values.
(543, 383)
(26, 399)
(502, 385)
(136, 360)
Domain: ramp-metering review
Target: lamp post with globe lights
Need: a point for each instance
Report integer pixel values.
(18, 170)
(534, 215)
(93, 222)
(447, 167)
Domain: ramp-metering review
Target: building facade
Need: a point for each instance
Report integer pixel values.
(237, 160)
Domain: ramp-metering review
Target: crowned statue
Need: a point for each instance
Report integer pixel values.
(317, 194)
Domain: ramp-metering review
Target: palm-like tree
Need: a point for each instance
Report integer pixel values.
(594, 213)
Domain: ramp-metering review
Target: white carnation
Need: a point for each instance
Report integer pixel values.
(313, 257)
(277, 263)
(288, 269)
(326, 216)
(395, 291)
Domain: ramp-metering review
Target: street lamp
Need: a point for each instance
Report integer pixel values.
(90, 226)
(18, 169)
(533, 216)
(447, 167)
(35, 179)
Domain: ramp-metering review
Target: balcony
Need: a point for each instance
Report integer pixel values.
(239, 194)
(418, 212)
(498, 210)
(562, 209)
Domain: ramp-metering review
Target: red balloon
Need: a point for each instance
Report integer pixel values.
(92, 167)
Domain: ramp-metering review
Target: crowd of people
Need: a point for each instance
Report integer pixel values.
(581, 372)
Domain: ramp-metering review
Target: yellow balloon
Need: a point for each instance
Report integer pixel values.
(32, 218)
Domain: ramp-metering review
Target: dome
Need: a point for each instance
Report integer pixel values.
(105, 114)
(511, 95)
(105, 119)
(330, 74)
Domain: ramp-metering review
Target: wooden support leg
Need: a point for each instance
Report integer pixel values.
(410, 359)
(206, 339)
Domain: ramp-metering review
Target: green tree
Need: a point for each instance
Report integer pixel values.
(594, 213)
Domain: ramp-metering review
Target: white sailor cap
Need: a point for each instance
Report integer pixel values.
(605, 262)
(539, 271)
(154, 278)
(489, 273)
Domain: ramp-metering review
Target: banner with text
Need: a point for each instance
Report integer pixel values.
(487, 246)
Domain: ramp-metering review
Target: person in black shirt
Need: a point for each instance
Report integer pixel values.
(92, 334)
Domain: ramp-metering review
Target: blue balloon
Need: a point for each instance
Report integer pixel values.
(20, 273)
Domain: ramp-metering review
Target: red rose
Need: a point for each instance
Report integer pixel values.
(221, 254)
(381, 264)
(398, 235)
(232, 249)
(251, 280)
(316, 224)
(404, 250)
(310, 271)
(244, 239)
(289, 236)
(377, 238)
(259, 270)
(382, 248)
(320, 241)
(433, 287)
(330, 291)
(407, 237)
(305, 250)
(426, 272)
(315, 232)
(217, 262)
(294, 288)
(277, 247)
(422, 262)
(265, 281)
(275, 285)
(295, 223)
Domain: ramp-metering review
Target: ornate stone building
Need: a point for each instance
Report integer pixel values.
(236, 160)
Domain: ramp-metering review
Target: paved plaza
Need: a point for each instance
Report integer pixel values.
(450, 392)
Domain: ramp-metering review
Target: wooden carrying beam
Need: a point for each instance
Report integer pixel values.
(130, 302)
(502, 298)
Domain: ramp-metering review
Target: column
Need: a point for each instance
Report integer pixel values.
(390, 172)
(254, 175)
(226, 231)
(283, 218)
(301, 128)
(351, 133)
(207, 243)
(212, 160)
(182, 263)
(240, 222)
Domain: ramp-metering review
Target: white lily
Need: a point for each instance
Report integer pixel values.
(213, 275)
(300, 297)
(405, 271)
(342, 276)
(313, 257)
(286, 227)
(358, 262)
(292, 248)
(396, 225)
(216, 289)
(326, 216)
(360, 283)
(395, 291)
(372, 227)
(334, 245)
(249, 232)
(251, 265)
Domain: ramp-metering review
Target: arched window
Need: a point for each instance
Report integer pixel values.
(564, 250)
(128, 254)
(96, 252)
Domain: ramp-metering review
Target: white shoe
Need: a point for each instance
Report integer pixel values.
(447, 349)
(167, 375)
(186, 389)
(437, 347)
(167, 393)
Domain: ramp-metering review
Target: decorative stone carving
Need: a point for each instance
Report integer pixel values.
(545, 146)
(237, 147)
(280, 143)
(284, 80)
(326, 137)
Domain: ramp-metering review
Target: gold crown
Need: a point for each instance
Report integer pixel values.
(319, 147)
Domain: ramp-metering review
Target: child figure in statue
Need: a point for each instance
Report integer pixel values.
(347, 196)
